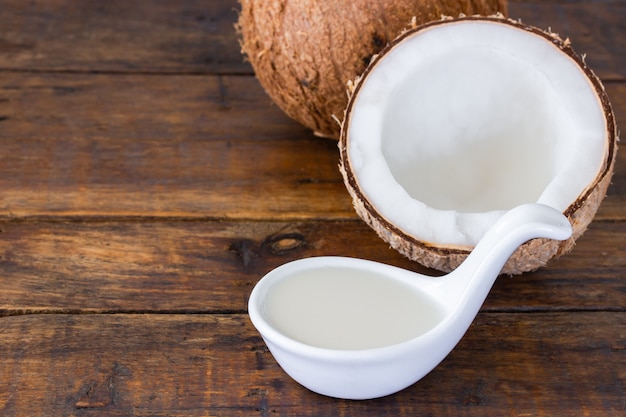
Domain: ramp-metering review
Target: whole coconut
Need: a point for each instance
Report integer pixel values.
(305, 51)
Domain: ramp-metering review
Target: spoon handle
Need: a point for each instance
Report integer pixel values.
(473, 279)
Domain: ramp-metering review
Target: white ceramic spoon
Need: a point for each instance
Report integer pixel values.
(300, 308)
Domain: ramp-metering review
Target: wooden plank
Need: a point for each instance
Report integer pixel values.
(199, 365)
(159, 146)
(135, 107)
(159, 266)
(198, 36)
(192, 146)
(181, 266)
(121, 36)
(223, 180)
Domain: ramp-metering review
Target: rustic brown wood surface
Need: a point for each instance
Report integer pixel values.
(147, 183)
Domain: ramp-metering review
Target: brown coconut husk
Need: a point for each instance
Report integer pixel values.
(305, 51)
(531, 255)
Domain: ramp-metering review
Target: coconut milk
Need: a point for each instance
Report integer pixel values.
(338, 308)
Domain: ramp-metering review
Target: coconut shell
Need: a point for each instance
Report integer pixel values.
(531, 255)
(305, 51)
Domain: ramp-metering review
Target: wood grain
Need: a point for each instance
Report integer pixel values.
(181, 266)
(135, 107)
(200, 365)
(120, 36)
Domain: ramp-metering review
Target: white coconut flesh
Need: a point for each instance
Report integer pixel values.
(459, 122)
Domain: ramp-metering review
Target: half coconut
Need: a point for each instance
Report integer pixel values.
(459, 120)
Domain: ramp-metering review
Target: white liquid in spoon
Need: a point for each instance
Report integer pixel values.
(338, 308)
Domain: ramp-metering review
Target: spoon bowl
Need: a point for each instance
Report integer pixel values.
(357, 329)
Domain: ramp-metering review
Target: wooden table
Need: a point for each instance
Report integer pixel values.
(147, 183)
